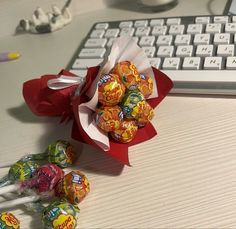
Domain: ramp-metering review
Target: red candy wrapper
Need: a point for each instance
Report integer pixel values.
(76, 100)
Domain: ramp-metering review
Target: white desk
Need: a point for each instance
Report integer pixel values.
(183, 178)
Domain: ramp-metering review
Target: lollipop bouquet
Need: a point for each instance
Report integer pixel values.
(112, 106)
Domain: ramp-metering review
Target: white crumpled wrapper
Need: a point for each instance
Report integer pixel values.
(123, 49)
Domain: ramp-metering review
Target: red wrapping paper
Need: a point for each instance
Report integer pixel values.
(44, 101)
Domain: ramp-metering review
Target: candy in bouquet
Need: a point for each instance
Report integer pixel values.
(8, 221)
(124, 89)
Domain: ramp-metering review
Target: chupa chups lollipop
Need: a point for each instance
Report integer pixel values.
(8, 221)
(126, 132)
(145, 85)
(109, 118)
(43, 182)
(142, 113)
(130, 101)
(20, 171)
(60, 153)
(73, 187)
(60, 215)
(110, 90)
(128, 74)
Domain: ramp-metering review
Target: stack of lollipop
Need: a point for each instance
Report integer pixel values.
(36, 183)
(122, 107)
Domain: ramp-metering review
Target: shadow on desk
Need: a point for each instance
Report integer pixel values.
(91, 160)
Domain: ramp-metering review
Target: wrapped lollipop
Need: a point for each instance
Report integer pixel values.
(60, 214)
(20, 171)
(42, 182)
(73, 187)
(8, 221)
(60, 153)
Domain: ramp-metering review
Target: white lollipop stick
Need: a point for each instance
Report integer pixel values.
(9, 188)
(19, 201)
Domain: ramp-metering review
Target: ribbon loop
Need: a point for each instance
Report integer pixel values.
(65, 82)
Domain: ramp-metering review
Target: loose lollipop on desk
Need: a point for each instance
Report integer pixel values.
(8, 221)
(42, 182)
(60, 153)
(72, 188)
(60, 214)
(20, 171)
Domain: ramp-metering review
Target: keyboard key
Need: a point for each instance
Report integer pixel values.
(90, 53)
(221, 38)
(171, 63)
(79, 72)
(155, 62)
(201, 39)
(191, 63)
(147, 41)
(95, 42)
(159, 30)
(204, 50)
(164, 40)
(230, 27)
(110, 42)
(173, 21)
(141, 23)
(98, 33)
(127, 31)
(221, 19)
(225, 50)
(112, 33)
(231, 63)
(85, 63)
(176, 29)
(154, 22)
(165, 51)
(182, 39)
(184, 50)
(213, 63)
(102, 26)
(194, 28)
(213, 28)
(125, 24)
(142, 31)
(149, 51)
(202, 20)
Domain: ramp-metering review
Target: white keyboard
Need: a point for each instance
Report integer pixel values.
(197, 53)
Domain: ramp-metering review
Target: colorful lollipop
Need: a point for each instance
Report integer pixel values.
(8, 221)
(109, 118)
(20, 171)
(145, 85)
(42, 182)
(128, 74)
(126, 132)
(60, 153)
(110, 90)
(60, 215)
(73, 187)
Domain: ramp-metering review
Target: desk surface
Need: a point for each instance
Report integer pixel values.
(183, 178)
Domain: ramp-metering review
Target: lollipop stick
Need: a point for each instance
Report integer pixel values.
(9, 188)
(19, 201)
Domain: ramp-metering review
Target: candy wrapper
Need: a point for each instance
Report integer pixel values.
(9, 221)
(73, 97)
